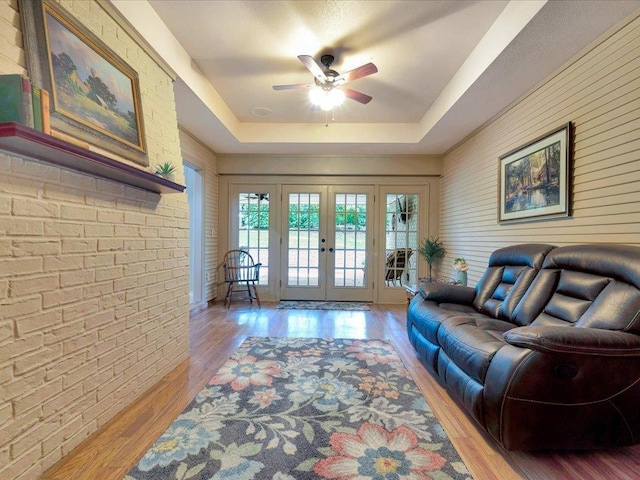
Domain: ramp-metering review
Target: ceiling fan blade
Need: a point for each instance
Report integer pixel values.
(357, 96)
(356, 73)
(292, 87)
(313, 67)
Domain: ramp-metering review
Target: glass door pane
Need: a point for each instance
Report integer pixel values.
(304, 243)
(401, 239)
(304, 239)
(252, 223)
(253, 229)
(350, 239)
(351, 243)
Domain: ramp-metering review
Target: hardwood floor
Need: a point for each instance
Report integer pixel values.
(216, 333)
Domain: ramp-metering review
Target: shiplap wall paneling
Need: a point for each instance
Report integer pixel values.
(600, 93)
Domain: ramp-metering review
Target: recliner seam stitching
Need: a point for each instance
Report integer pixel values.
(547, 345)
(608, 399)
(635, 317)
(624, 418)
(506, 396)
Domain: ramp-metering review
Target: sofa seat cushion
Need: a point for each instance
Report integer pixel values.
(429, 315)
(472, 341)
(458, 309)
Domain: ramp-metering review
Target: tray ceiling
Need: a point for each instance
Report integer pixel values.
(444, 67)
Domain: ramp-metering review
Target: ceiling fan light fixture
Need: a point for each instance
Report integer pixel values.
(326, 104)
(316, 95)
(328, 93)
(337, 96)
(326, 98)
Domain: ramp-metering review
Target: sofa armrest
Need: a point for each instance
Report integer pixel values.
(575, 340)
(441, 293)
(557, 387)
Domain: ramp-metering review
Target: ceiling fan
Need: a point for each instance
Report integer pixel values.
(328, 88)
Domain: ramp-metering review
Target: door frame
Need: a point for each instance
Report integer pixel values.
(268, 291)
(356, 294)
(303, 292)
(227, 181)
(195, 198)
(326, 288)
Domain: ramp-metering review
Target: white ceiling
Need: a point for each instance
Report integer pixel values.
(444, 67)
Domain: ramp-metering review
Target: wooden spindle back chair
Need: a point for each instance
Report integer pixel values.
(239, 267)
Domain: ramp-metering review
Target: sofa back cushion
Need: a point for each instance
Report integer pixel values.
(510, 272)
(594, 286)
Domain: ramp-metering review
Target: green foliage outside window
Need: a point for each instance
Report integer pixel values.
(306, 217)
(355, 218)
(252, 218)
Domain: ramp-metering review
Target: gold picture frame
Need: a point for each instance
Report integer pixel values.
(95, 95)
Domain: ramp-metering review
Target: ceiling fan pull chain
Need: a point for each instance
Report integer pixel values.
(326, 117)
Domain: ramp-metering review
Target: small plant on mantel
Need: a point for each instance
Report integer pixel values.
(165, 170)
(431, 249)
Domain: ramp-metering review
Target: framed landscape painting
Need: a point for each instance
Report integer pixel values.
(95, 95)
(534, 179)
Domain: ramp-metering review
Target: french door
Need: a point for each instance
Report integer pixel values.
(327, 243)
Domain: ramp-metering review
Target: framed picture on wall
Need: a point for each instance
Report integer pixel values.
(95, 95)
(534, 179)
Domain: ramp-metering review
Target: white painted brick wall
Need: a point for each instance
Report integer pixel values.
(93, 277)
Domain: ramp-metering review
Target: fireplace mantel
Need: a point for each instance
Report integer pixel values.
(22, 140)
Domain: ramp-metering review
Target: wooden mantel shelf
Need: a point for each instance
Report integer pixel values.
(20, 139)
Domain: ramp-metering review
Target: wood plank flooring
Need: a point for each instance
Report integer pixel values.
(217, 332)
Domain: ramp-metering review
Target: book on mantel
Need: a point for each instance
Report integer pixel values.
(36, 100)
(16, 103)
(46, 111)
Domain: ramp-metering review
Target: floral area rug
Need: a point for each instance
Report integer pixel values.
(289, 409)
(309, 305)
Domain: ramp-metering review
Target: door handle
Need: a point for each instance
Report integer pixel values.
(331, 249)
(322, 249)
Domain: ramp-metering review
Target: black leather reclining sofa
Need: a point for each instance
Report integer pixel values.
(544, 352)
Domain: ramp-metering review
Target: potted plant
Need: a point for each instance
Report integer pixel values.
(431, 249)
(166, 170)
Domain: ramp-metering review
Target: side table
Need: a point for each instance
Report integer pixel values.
(412, 291)
(412, 288)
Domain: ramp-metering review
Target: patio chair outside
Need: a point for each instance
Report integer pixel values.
(397, 262)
